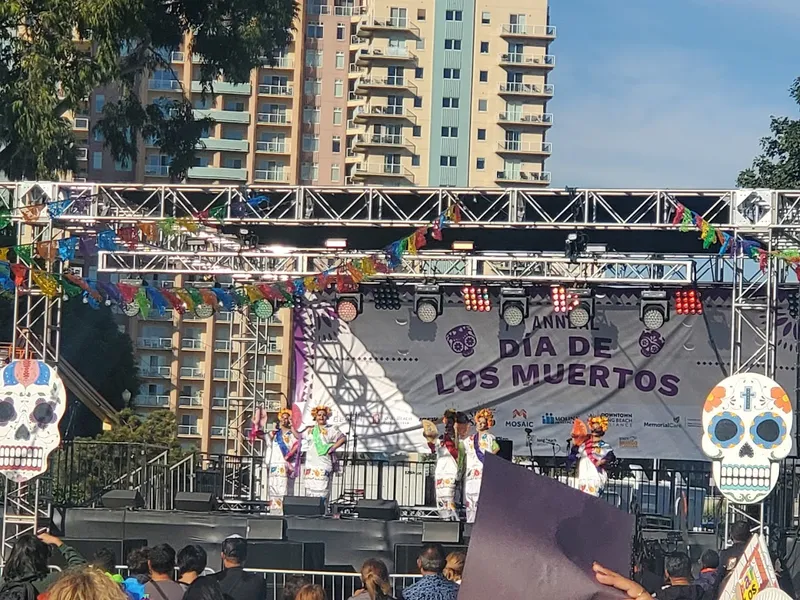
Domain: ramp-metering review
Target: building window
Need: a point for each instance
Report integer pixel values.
(415, 160)
(314, 30)
(311, 114)
(97, 160)
(483, 76)
(481, 134)
(482, 105)
(335, 172)
(416, 131)
(480, 164)
(99, 103)
(336, 144)
(339, 31)
(340, 60)
(452, 44)
(419, 72)
(310, 143)
(453, 15)
(309, 171)
(338, 88)
(98, 135)
(233, 163)
(421, 44)
(234, 106)
(449, 132)
(420, 14)
(448, 161)
(449, 102)
(486, 18)
(123, 165)
(417, 101)
(314, 58)
(452, 73)
(337, 116)
(484, 47)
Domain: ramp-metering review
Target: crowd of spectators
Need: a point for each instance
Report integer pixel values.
(159, 573)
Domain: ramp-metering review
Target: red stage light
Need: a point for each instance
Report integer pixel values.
(563, 301)
(476, 298)
(688, 302)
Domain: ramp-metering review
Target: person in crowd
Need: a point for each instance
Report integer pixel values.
(26, 568)
(449, 451)
(678, 571)
(292, 585)
(88, 583)
(374, 581)
(708, 579)
(233, 579)
(454, 566)
(204, 588)
(433, 585)
(282, 460)
(192, 561)
(106, 560)
(592, 455)
(323, 442)
(161, 561)
(740, 534)
(138, 573)
(476, 447)
(311, 592)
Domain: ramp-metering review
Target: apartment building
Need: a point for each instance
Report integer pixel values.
(370, 92)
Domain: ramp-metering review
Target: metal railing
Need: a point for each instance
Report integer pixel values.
(190, 401)
(160, 371)
(154, 343)
(393, 81)
(156, 170)
(529, 118)
(531, 89)
(382, 139)
(164, 84)
(158, 400)
(279, 118)
(191, 372)
(192, 344)
(274, 147)
(523, 147)
(522, 29)
(524, 176)
(272, 175)
(528, 60)
(385, 169)
(275, 90)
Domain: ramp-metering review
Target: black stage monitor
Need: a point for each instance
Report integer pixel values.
(122, 499)
(506, 448)
(302, 506)
(382, 510)
(285, 556)
(195, 501)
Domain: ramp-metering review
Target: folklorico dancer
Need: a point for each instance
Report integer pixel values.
(476, 447)
(322, 442)
(592, 455)
(283, 460)
(449, 451)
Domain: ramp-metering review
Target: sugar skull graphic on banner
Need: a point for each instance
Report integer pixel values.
(747, 431)
(32, 402)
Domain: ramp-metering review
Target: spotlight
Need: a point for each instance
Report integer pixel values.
(387, 296)
(581, 308)
(349, 306)
(263, 309)
(336, 243)
(513, 306)
(688, 302)
(203, 311)
(130, 309)
(574, 245)
(794, 304)
(563, 300)
(476, 298)
(463, 246)
(428, 302)
(653, 309)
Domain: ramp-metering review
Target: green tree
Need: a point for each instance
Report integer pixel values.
(159, 429)
(778, 165)
(45, 74)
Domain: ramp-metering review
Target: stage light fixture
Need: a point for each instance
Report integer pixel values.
(349, 306)
(387, 296)
(428, 303)
(336, 243)
(580, 306)
(653, 309)
(793, 304)
(263, 309)
(575, 245)
(688, 302)
(513, 306)
(563, 300)
(463, 246)
(130, 309)
(476, 298)
(203, 311)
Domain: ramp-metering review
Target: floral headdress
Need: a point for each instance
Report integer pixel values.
(284, 411)
(485, 413)
(321, 409)
(599, 423)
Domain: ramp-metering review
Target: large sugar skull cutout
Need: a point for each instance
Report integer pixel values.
(462, 340)
(32, 402)
(747, 431)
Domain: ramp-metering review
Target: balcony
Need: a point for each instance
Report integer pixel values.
(177, 57)
(80, 123)
(517, 147)
(367, 56)
(527, 89)
(192, 344)
(370, 24)
(541, 32)
(156, 316)
(222, 345)
(160, 371)
(154, 343)
(362, 114)
(541, 61)
(188, 430)
(364, 170)
(278, 118)
(191, 401)
(169, 85)
(81, 153)
(272, 147)
(276, 175)
(218, 431)
(152, 401)
(279, 62)
(224, 374)
(218, 173)
(386, 140)
(283, 91)
(528, 177)
(225, 87)
(225, 145)
(222, 116)
(394, 84)
(156, 170)
(319, 9)
(348, 11)
(219, 402)
(518, 118)
(192, 372)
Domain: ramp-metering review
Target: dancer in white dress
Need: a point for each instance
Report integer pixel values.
(476, 447)
(323, 441)
(592, 455)
(283, 461)
(449, 451)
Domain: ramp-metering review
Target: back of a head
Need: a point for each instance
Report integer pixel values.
(311, 591)
(375, 577)
(234, 549)
(83, 584)
(677, 564)
(204, 588)
(709, 559)
(740, 531)
(455, 565)
(431, 558)
(192, 559)
(105, 559)
(292, 585)
(28, 556)
(137, 561)
(162, 559)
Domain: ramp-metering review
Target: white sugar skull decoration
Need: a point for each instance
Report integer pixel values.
(32, 402)
(747, 431)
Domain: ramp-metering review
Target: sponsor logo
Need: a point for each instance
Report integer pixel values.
(676, 422)
(520, 424)
(619, 419)
(551, 419)
(519, 414)
(694, 423)
(629, 442)
(546, 441)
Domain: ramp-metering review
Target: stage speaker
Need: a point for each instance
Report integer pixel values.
(122, 499)
(382, 510)
(302, 506)
(88, 548)
(285, 556)
(506, 448)
(405, 556)
(442, 532)
(195, 502)
(268, 528)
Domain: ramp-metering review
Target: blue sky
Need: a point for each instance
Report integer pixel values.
(669, 93)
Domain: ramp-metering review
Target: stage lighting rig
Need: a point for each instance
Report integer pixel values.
(653, 309)
(349, 306)
(387, 296)
(563, 300)
(263, 309)
(513, 306)
(688, 302)
(428, 302)
(581, 308)
(575, 245)
(793, 303)
(476, 298)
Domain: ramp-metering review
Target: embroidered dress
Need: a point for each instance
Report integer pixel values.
(449, 460)
(475, 449)
(320, 460)
(283, 464)
(591, 478)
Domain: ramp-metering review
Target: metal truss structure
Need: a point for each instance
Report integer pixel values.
(769, 216)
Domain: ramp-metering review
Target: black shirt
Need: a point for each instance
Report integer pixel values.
(238, 584)
(681, 592)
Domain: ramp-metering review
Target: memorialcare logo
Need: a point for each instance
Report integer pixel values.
(650, 343)
(676, 422)
(462, 340)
